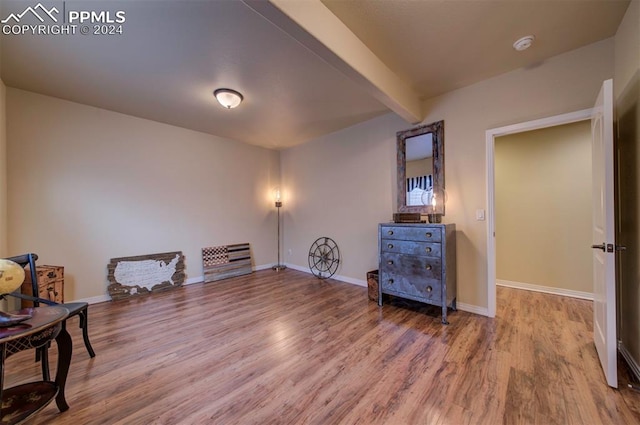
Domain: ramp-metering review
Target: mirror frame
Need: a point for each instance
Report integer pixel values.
(437, 131)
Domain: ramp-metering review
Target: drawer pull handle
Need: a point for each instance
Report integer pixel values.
(428, 249)
(429, 289)
(390, 232)
(390, 246)
(390, 262)
(429, 234)
(428, 267)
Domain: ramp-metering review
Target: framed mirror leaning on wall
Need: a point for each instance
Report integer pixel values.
(420, 153)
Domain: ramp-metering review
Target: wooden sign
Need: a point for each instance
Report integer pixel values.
(221, 262)
(142, 274)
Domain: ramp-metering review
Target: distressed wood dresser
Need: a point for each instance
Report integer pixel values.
(418, 262)
(50, 284)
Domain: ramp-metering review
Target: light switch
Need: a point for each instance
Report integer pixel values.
(480, 215)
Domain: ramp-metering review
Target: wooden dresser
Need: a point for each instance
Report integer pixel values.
(50, 284)
(418, 262)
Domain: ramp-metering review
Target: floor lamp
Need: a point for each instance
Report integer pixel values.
(278, 266)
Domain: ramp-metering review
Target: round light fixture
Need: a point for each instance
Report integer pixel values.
(228, 98)
(524, 43)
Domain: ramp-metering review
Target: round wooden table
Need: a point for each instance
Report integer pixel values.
(19, 403)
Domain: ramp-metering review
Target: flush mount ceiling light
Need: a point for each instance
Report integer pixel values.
(228, 98)
(524, 43)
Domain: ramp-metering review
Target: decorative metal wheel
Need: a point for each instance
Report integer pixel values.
(324, 257)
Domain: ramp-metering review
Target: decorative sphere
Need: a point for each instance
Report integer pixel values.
(11, 276)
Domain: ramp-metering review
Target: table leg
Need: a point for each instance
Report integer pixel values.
(65, 348)
(3, 356)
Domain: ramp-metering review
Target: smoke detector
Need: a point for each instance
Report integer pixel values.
(524, 43)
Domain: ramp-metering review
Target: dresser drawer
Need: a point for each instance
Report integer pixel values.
(412, 265)
(50, 284)
(421, 234)
(52, 290)
(410, 247)
(419, 289)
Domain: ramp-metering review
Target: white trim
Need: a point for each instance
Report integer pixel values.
(191, 281)
(460, 306)
(299, 268)
(491, 233)
(491, 135)
(93, 300)
(357, 282)
(470, 308)
(633, 365)
(200, 279)
(545, 289)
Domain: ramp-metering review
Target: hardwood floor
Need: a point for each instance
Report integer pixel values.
(286, 348)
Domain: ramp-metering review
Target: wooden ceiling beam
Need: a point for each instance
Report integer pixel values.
(314, 26)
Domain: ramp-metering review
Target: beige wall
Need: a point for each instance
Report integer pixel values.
(345, 182)
(543, 207)
(87, 185)
(3, 172)
(341, 186)
(627, 95)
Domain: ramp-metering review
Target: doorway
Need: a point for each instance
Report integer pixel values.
(543, 210)
(491, 136)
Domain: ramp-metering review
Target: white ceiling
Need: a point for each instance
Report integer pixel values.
(173, 54)
(441, 45)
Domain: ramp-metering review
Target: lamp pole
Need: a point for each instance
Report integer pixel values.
(278, 266)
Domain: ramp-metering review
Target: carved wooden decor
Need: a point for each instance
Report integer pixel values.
(142, 274)
(221, 262)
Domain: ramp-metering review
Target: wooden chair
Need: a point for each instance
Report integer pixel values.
(80, 309)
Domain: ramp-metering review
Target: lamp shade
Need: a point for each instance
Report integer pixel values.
(228, 98)
(11, 276)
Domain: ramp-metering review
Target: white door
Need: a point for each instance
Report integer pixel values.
(604, 289)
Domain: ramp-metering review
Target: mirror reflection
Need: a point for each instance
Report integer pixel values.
(419, 169)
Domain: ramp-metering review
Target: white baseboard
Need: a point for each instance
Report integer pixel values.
(200, 279)
(470, 308)
(191, 281)
(545, 289)
(357, 282)
(633, 364)
(483, 311)
(94, 300)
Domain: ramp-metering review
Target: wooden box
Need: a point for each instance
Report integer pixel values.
(50, 284)
(372, 285)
